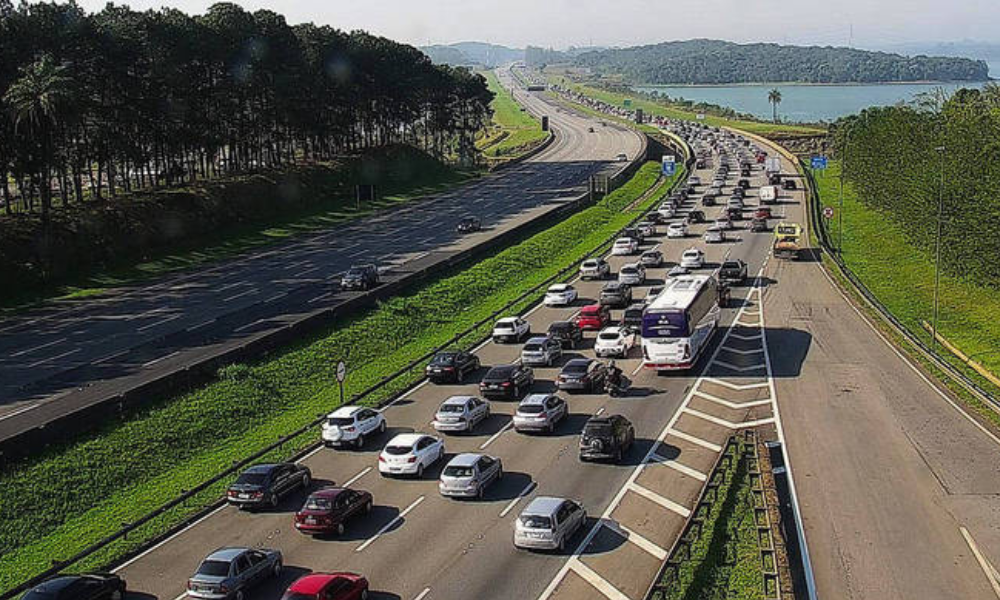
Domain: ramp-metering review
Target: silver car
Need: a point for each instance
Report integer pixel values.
(468, 475)
(547, 523)
(229, 573)
(461, 414)
(540, 412)
(541, 351)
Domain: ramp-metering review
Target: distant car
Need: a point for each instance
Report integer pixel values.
(452, 366)
(540, 412)
(510, 330)
(739, 192)
(614, 341)
(695, 216)
(615, 294)
(547, 523)
(724, 222)
(621, 157)
(468, 475)
(460, 414)
(694, 180)
(632, 274)
(230, 573)
(469, 224)
(328, 586)
(541, 351)
(328, 510)
(666, 211)
(624, 246)
(733, 271)
(86, 586)
(594, 268)
(708, 199)
(701, 163)
(360, 277)
(677, 271)
(567, 333)
(652, 293)
(560, 294)
(693, 258)
(677, 230)
(714, 235)
(758, 224)
(350, 425)
(651, 258)
(410, 454)
(632, 315)
(743, 183)
(789, 184)
(507, 381)
(734, 213)
(762, 212)
(736, 203)
(606, 437)
(582, 375)
(635, 233)
(265, 485)
(590, 129)
(646, 228)
(594, 316)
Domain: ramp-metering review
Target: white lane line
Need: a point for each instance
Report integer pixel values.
(156, 360)
(248, 326)
(743, 352)
(686, 470)
(510, 506)
(277, 296)
(202, 324)
(158, 323)
(746, 338)
(23, 409)
(662, 501)
(389, 525)
(422, 594)
(110, 356)
(181, 596)
(638, 368)
(638, 540)
(52, 358)
(730, 365)
(354, 479)
(599, 583)
(405, 396)
(240, 295)
(677, 433)
(320, 297)
(30, 350)
(727, 403)
(230, 286)
(599, 412)
(737, 386)
(497, 434)
(988, 569)
(725, 423)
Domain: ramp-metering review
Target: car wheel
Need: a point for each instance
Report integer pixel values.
(238, 595)
(562, 544)
(117, 594)
(551, 427)
(618, 454)
(306, 480)
(273, 501)
(364, 594)
(381, 427)
(460, 376)
(360, 442)
(480, 493)
(368, 507)
(340, 528)
(276, 569)
(420, 470)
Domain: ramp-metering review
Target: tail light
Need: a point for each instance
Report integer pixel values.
(231, 493)
(381, 458)
(223, 589)
(505, 384)
(449, 368)
(412, 459)
(258, 494)
(190, 586)
(349, 428)
(687, 351)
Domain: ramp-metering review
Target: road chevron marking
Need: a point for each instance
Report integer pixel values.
(677, 433)
(730, 365)
(742, 352)
(673, 464)
(746, 338)
(725, 423)
(650, 547)
(600, 584)
(727, 403)
(737, 386)
(663, 501)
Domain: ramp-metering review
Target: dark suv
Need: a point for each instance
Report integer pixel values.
(616, 295)
(451, 365)
(360, 277)
(567, 333)
(606, 437)
(733, 271)
(507, 381)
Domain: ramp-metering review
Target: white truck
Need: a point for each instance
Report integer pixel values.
(768, 194)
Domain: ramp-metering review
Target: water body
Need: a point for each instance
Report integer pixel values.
(804, 103)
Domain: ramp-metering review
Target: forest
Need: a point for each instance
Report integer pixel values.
(94, 105)
(719, 62)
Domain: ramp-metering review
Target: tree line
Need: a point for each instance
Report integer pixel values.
(903, 160)
(97, 104)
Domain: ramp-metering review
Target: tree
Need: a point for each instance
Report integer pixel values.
(774, 97)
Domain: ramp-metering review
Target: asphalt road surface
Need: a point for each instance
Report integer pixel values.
(68, 354)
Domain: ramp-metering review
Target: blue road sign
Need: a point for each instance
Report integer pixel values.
(669, 168)
(819, 162)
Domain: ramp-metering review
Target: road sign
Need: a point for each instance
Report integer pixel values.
(828, 212)
(669, 168)
(669, 158)
(341, 371)
(819, 162)
(701, 116)
(627, 102)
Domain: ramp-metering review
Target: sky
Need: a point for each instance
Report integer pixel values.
(563, 23)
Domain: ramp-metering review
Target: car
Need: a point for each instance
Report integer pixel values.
(567, 333)
(594, 316)
(677, 271)
(510, 330)
(655, 217)
(328, 510)
(651, 258)
(652, 292)
(708, 199)
(594, 268)
(646, 228)
(724, 222)
(229, 573)
(624, 246)
(469, 224)
(692, 258)
(410, 454)
(701, 163)
(547, 523)
(541, 351)
(632, 274)
(694, 180)
(677, 230)
(615, 341)
(590, 130)
(733, 271)
(789, 184)
(615, 294)
(460, 414)
(328, 586)
(350, 425)
(695, 216)
(745, 171)
(633, 232)
(758, 224)
(666, 211)
(582, 375)
(452, 366)
(743, 184)
(738, 192)
(469, 474)
(360, 277)
(606, 437)
(632, 315)
(540, 412)
(560, 294)
(774, 179)
(733, 213)
(762, 212)
(84, 586)
(507, 381)
(621, 157)
(714, 235)
(264, 485)
(736, 203)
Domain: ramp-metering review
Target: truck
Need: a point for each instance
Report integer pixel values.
(768, 194)
(787, 240)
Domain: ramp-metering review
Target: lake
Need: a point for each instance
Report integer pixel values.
(803, 103)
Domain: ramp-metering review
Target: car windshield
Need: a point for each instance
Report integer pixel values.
(730, 265)
(451, 408)
(560, 327)
(532, 347)
(530, 409)
(575, 368)
(504, 326)
(610, 336)
(445, 358)
(398, 450)
(498, 374)
(214, 568)
(536, 522)
(590, 264)
(453, 471)
(340, 421)
(629, 270)
(315, 503)
(355, 272)
(252, 479)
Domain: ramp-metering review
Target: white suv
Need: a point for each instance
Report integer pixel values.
(632, 274)
(560, 294)
(351, 424)
(693, 258)
(511, 329)
(677, 230)
(410, 454)
(614, 341)
(624, 246)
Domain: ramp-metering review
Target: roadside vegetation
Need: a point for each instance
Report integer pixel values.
(514, 131)
(79, 491)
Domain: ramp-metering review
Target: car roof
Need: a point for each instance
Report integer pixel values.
(264, 469)
(466, 459)
(328, 492)
(591, 308)
(535, 399)
(345, 411)
(460, 400)
(538, 339)
(543, 506)
(559, 287)
(501, 368)
(56, 584)
(578, 361)
(227, 554)
(692, 250)
(508, 320)
(406, 439)
(312, 584)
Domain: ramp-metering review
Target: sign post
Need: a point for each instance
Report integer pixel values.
(828, 212)
(341, 376)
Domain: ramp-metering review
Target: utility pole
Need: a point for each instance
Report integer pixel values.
(937, 253)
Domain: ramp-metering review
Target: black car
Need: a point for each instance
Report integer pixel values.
(739, 192)
(745, 172)
(655, 217)
(507, 381)
(264, 485)
(695, 216)
(632, 317)
(469, 224)
(360, 277)
(789, 184)
(700, 163)
(708, 200)
(615, 294)
(634, 233)
(733, 271)
(743, 183)
(582, 375)
(774, 179)
(451, 365)
(567, 333)
(86, 586)
(734, 214)
(606, 437)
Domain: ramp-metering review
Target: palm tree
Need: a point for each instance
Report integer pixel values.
(38, 100)
(774, 97)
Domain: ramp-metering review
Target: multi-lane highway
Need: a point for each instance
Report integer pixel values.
(69, 354)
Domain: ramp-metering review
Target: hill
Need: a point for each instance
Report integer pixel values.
(479, 54)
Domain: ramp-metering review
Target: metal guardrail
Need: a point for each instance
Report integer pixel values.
(122, 533)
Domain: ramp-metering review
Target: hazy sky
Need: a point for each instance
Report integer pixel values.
(560, 23)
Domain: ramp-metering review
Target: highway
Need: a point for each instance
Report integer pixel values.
(67, 355)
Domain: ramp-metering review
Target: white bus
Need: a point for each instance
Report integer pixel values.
(678, 324)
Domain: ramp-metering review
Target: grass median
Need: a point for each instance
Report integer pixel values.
(515, 131)
(56, 504)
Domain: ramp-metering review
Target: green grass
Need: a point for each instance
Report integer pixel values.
(514, 131)
(55, 504)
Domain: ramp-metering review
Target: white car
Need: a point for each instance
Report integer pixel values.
(693, 258)
(735, 203)
(666, 211)
(622, 157)
(724, 223)
(632, 274)
(694, 180)
(624, 246)
(461, 414)
(714, 235)
(560, 294)
(510, 329)
(410, 454)
(350, 425)
(614, 341)
(594, 268)
(677, 230)
(646, 228)
(677, 271)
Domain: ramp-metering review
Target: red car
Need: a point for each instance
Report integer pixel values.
(328, 586)
(328, 510)
(764, 212)
(593, 317)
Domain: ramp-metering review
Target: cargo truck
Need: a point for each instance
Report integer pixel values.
(787, 240)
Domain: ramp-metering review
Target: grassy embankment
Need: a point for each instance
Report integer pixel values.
(53, 505)
(514, 131)
(902, 277)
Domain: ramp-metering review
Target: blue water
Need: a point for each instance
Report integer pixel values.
(804, 103)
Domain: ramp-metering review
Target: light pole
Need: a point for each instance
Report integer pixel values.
(937, 253)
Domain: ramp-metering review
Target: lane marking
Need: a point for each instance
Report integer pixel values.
(158, 323)
(599, 412)
(240, 295)
(248, 325)
(598, 582)
(686, 470)
(202, 324)
(742, 352)
(23, 409)
(110, 356)
(181, 596)
(666, 503)
(354, 479)
(725, 423)
(730, 365)
(677, 433)
(277, 296)
(497, 434)
(988, 569)
(510, 506)
(727, 403)
(422, 594)
(30, 350)
(156, 547)
(738, 386)
(638, 540)
(51, 358)
(156, 360)
(389, 525)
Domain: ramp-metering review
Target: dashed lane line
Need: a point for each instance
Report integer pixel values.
(510, 506)
(497, 434)
(389, 525)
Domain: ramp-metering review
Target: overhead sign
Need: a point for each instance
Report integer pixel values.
(669, 168)
(828, 212)
(819, 162)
